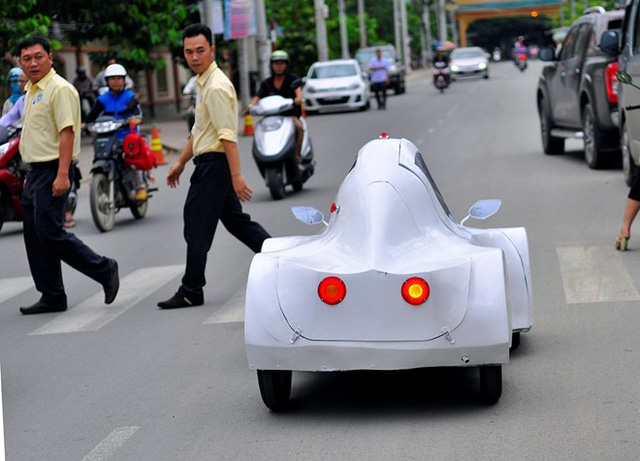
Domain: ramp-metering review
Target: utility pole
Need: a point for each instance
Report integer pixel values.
(208, 17)
(263, 42)
(396, 26)
(363, 30)
(243, 70)
(406, 50)
(442, 21)
(321, 30)
(427, 24)
(344, 42)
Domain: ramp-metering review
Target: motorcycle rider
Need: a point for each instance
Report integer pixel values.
(17, 80)
(119, 103)
(285, 84)
(441, 61)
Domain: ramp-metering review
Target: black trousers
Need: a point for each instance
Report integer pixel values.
(380, 89)
(48, 243)
(210, 199)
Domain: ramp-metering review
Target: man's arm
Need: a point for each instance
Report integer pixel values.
(173, 176)
(62, 184)
(14, 114)
(239, 183)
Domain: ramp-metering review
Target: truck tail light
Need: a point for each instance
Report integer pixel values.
(611, 82)
(332, 290)
(415, 290)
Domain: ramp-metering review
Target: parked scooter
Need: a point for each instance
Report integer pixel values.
(441, 77)
(274, 144)
(13, 172)
(114, 184)
(521, 61)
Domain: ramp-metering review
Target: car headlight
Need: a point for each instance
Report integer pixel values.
(482, 66)
(106, 126)
(454, 68)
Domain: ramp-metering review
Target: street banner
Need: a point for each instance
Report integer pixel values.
(239, 19)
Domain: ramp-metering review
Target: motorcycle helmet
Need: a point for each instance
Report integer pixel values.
(115, 70)
(280, 55)
(14, 74)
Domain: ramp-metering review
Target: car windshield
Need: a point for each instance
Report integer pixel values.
(364, 57)
(338, 70)
(466, 54)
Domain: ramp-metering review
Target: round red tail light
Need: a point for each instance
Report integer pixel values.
(415, 290)
(332, 290)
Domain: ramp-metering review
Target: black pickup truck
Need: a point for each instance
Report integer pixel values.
(577, 91)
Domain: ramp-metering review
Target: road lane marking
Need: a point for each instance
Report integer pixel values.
(14, 286)
(230, 312)
(112, 443)
(595, 274)
(1, 423)
(92, 314)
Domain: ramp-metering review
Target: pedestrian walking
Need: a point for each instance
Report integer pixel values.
(50, 141)
(379, 68)
(217, 185)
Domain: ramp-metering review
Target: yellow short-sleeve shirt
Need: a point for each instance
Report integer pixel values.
(50, 105)
(216, 112)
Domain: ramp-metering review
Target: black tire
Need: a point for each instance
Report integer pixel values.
(491, 383)
(275, 182)
(629, 167)
(139, 209)
(275, 388)
(515, 340)
(297, 186)
(593, 139)
(550, 144)
(102, 212)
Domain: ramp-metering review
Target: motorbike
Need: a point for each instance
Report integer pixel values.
(521, 61)
(274, 143)
(114, 184)
(441, 76)
(13, 172)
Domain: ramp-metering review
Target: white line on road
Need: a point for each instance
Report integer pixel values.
(14, 286)
(230, 312)
(105, 449)
(595, 274)
(92, 314)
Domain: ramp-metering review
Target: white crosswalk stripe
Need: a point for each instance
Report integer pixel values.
(230, 312)
(14, 286)
(595, 274)
(107, 448)
(92, 314)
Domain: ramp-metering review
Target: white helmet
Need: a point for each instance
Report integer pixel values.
(115, 70)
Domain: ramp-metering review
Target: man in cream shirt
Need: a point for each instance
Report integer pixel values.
(50, 141)
(217, 184)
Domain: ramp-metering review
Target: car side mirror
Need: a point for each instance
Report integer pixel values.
(308, 215)
(624, 77)
(547, 54)
(483, 209)
(609, 43)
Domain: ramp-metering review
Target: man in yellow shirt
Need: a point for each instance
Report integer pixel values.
(217, 184)
(50, 141)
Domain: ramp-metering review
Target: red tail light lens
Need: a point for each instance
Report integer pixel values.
(332, 290)
(522, 57)
(611, 82)
(415, 290)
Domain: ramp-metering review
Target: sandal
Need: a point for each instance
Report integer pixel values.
(68, 223)
(621, 243)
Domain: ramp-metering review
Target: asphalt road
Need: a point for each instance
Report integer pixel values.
(131, 382)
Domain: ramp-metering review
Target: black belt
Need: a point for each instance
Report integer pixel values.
(51, 164)
(209, 157)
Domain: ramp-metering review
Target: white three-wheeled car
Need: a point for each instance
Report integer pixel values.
(393, 282)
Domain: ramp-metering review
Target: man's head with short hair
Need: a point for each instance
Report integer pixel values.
(31, 41)
(198, 29)
(197, 47)
(34, 55)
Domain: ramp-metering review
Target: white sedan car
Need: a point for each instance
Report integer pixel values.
(335, 85)
(469, 62)
(393, 282)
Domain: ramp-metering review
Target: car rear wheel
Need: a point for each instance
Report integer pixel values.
(275, 388)
(491, 383)
(629, 167)
(550, 144)
(593, 139)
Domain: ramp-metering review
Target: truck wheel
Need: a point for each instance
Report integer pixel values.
(629, 167)
(550, 144)
(275, 388)
(593, 139)
(491, 383)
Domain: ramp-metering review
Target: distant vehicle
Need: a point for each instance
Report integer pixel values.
(391, 283)
(469, 62)
(577, 91)
(396, 71)
(338, 84)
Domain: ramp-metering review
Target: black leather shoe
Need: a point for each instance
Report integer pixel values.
(177, 301)
(41, 308)
(112, 285)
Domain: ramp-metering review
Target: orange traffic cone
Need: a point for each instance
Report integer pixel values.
(156, 146)
(248, 125)
(303, 110)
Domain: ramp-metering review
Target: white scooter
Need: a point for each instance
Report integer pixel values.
(274, 144)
